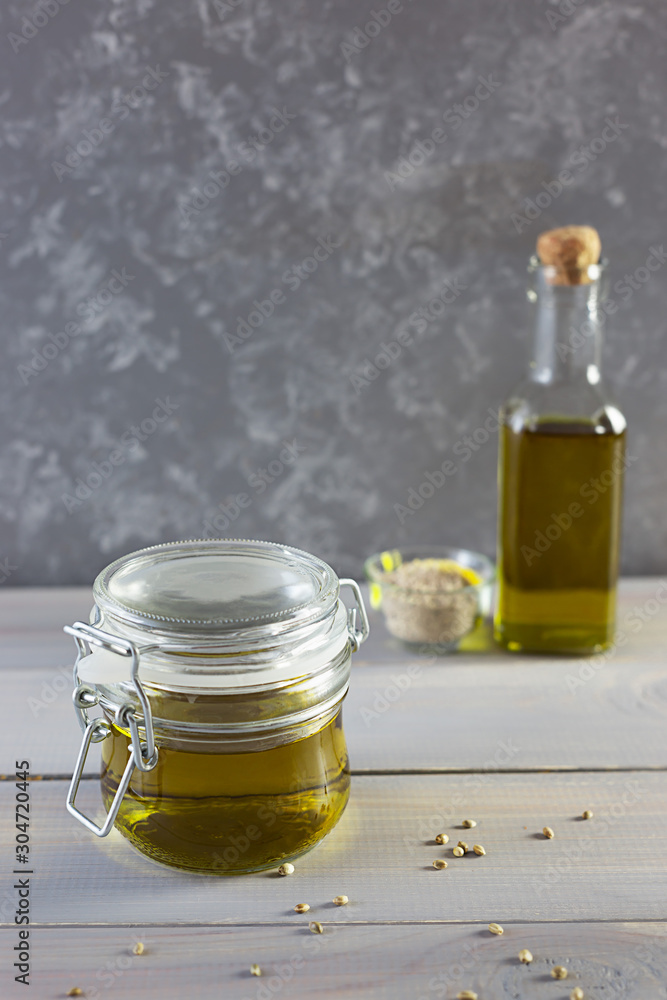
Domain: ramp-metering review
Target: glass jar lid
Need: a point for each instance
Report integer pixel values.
(224, 586)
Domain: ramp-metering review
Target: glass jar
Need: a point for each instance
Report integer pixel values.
(219, 667)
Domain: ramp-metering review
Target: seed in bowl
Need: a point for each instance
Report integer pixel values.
(430, 600)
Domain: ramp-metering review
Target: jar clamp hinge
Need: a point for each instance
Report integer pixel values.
(142, 754)
(357, 635)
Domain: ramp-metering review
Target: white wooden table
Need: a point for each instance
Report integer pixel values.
(515, 743)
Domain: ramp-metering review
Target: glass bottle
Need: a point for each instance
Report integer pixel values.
(560, 477)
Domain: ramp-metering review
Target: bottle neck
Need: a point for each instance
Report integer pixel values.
(568, 331)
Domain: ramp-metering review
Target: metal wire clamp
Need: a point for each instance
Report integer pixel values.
(143, 755)
(357, 635)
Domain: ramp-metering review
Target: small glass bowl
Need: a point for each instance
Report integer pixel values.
(434, 621)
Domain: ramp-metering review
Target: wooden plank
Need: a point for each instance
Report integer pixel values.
(464, 715)
(458, 711)
(393, 962)
(517, 717)
(406, 713)
(32, 619)
(380, 855)
(36, 613)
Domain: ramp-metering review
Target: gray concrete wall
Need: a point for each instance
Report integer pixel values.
(117, 115)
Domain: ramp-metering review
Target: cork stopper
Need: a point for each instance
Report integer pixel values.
(570, 250)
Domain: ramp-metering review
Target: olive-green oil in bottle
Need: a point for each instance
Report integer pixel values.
(560, 479)
(561, 497)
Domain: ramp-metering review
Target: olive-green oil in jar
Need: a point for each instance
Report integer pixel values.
(560, 492)
(229, 813)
